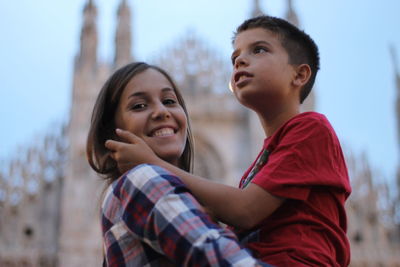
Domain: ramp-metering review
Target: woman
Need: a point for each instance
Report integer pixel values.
(148, 215)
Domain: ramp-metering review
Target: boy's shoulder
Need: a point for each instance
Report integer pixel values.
(303, 128)
(308, 122)
(310, 116)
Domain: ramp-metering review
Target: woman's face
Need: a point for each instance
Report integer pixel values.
(150, 109)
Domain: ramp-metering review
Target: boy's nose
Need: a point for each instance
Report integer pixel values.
(240, 62)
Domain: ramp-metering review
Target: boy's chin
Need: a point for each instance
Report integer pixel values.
(247, 99)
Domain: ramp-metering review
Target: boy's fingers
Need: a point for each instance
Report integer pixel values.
(112, 145)
(127, 136)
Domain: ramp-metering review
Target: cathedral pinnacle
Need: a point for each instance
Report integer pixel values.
(90, 9)
(88, 51)
(123, 39)
(397, 81)
(393, 55)
(256, 9)
(310, 102)
(291, 15)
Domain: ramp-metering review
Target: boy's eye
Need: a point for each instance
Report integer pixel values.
(233, 59)
(260, 49)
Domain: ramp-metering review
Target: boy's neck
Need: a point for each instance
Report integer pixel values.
(272, 123)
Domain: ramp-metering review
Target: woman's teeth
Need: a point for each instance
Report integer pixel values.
(163, 132)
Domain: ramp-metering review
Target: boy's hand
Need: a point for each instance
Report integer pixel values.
(131, 151)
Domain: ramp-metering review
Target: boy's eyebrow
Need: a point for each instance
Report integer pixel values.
(253, 44)
(260, 42)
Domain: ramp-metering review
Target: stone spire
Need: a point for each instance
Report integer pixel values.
(291, 15)
(79, 240)
(123, 40)
(88, 51)
(256, 9)
(397, 81)
(397, 108)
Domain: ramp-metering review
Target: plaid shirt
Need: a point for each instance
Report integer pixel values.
(150, 218)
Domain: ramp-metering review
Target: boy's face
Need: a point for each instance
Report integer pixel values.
(262, 76)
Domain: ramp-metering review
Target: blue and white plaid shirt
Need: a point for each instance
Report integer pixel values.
(149, 218)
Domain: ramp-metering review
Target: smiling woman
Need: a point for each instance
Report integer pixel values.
(149, 217)
(144, 100)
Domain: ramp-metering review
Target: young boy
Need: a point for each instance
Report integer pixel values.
(289, 207)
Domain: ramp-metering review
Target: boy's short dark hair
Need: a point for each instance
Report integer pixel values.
(299, 45)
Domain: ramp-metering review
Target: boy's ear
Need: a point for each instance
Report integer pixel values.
(303, 74)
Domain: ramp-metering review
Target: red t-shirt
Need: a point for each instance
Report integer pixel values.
(306, 167)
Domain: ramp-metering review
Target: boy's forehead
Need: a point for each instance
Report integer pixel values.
(253, 35)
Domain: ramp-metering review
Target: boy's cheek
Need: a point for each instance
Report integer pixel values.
(231, 85)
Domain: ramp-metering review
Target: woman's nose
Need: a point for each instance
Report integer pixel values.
(160, 112)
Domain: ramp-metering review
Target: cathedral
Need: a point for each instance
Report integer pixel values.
(50, 197)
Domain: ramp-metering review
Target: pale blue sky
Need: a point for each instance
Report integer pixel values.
(355, 87)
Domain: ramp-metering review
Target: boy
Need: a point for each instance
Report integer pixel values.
(289, 207)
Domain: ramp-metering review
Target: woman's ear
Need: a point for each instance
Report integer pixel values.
(303, 74)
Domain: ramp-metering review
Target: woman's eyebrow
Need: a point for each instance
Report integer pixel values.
(137, 94)
(167, 89)
(142, 94)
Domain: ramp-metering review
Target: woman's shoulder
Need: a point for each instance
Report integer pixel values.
(111, 204)
(124, 187)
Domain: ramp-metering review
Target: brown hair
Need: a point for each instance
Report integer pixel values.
(102, 125)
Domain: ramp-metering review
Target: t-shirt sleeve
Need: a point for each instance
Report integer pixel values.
(304, 154)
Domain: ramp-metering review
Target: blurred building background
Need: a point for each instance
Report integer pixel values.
(50, 198)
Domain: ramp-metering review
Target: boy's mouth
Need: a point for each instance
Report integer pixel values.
(241, 74)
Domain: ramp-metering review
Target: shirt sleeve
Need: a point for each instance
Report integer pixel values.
(304, 153)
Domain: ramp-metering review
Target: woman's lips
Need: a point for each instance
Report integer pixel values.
(163, 132)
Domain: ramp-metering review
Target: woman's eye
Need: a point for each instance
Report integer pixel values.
(138, 106)
(169, 101)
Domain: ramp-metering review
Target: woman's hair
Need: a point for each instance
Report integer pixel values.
(102, 126)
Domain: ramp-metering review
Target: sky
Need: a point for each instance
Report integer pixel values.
(355, 86)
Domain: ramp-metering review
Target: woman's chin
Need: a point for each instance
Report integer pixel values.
(170, 156)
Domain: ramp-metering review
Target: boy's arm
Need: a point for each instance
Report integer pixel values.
(242, 208)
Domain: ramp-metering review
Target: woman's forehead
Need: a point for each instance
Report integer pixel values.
(147, 82)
